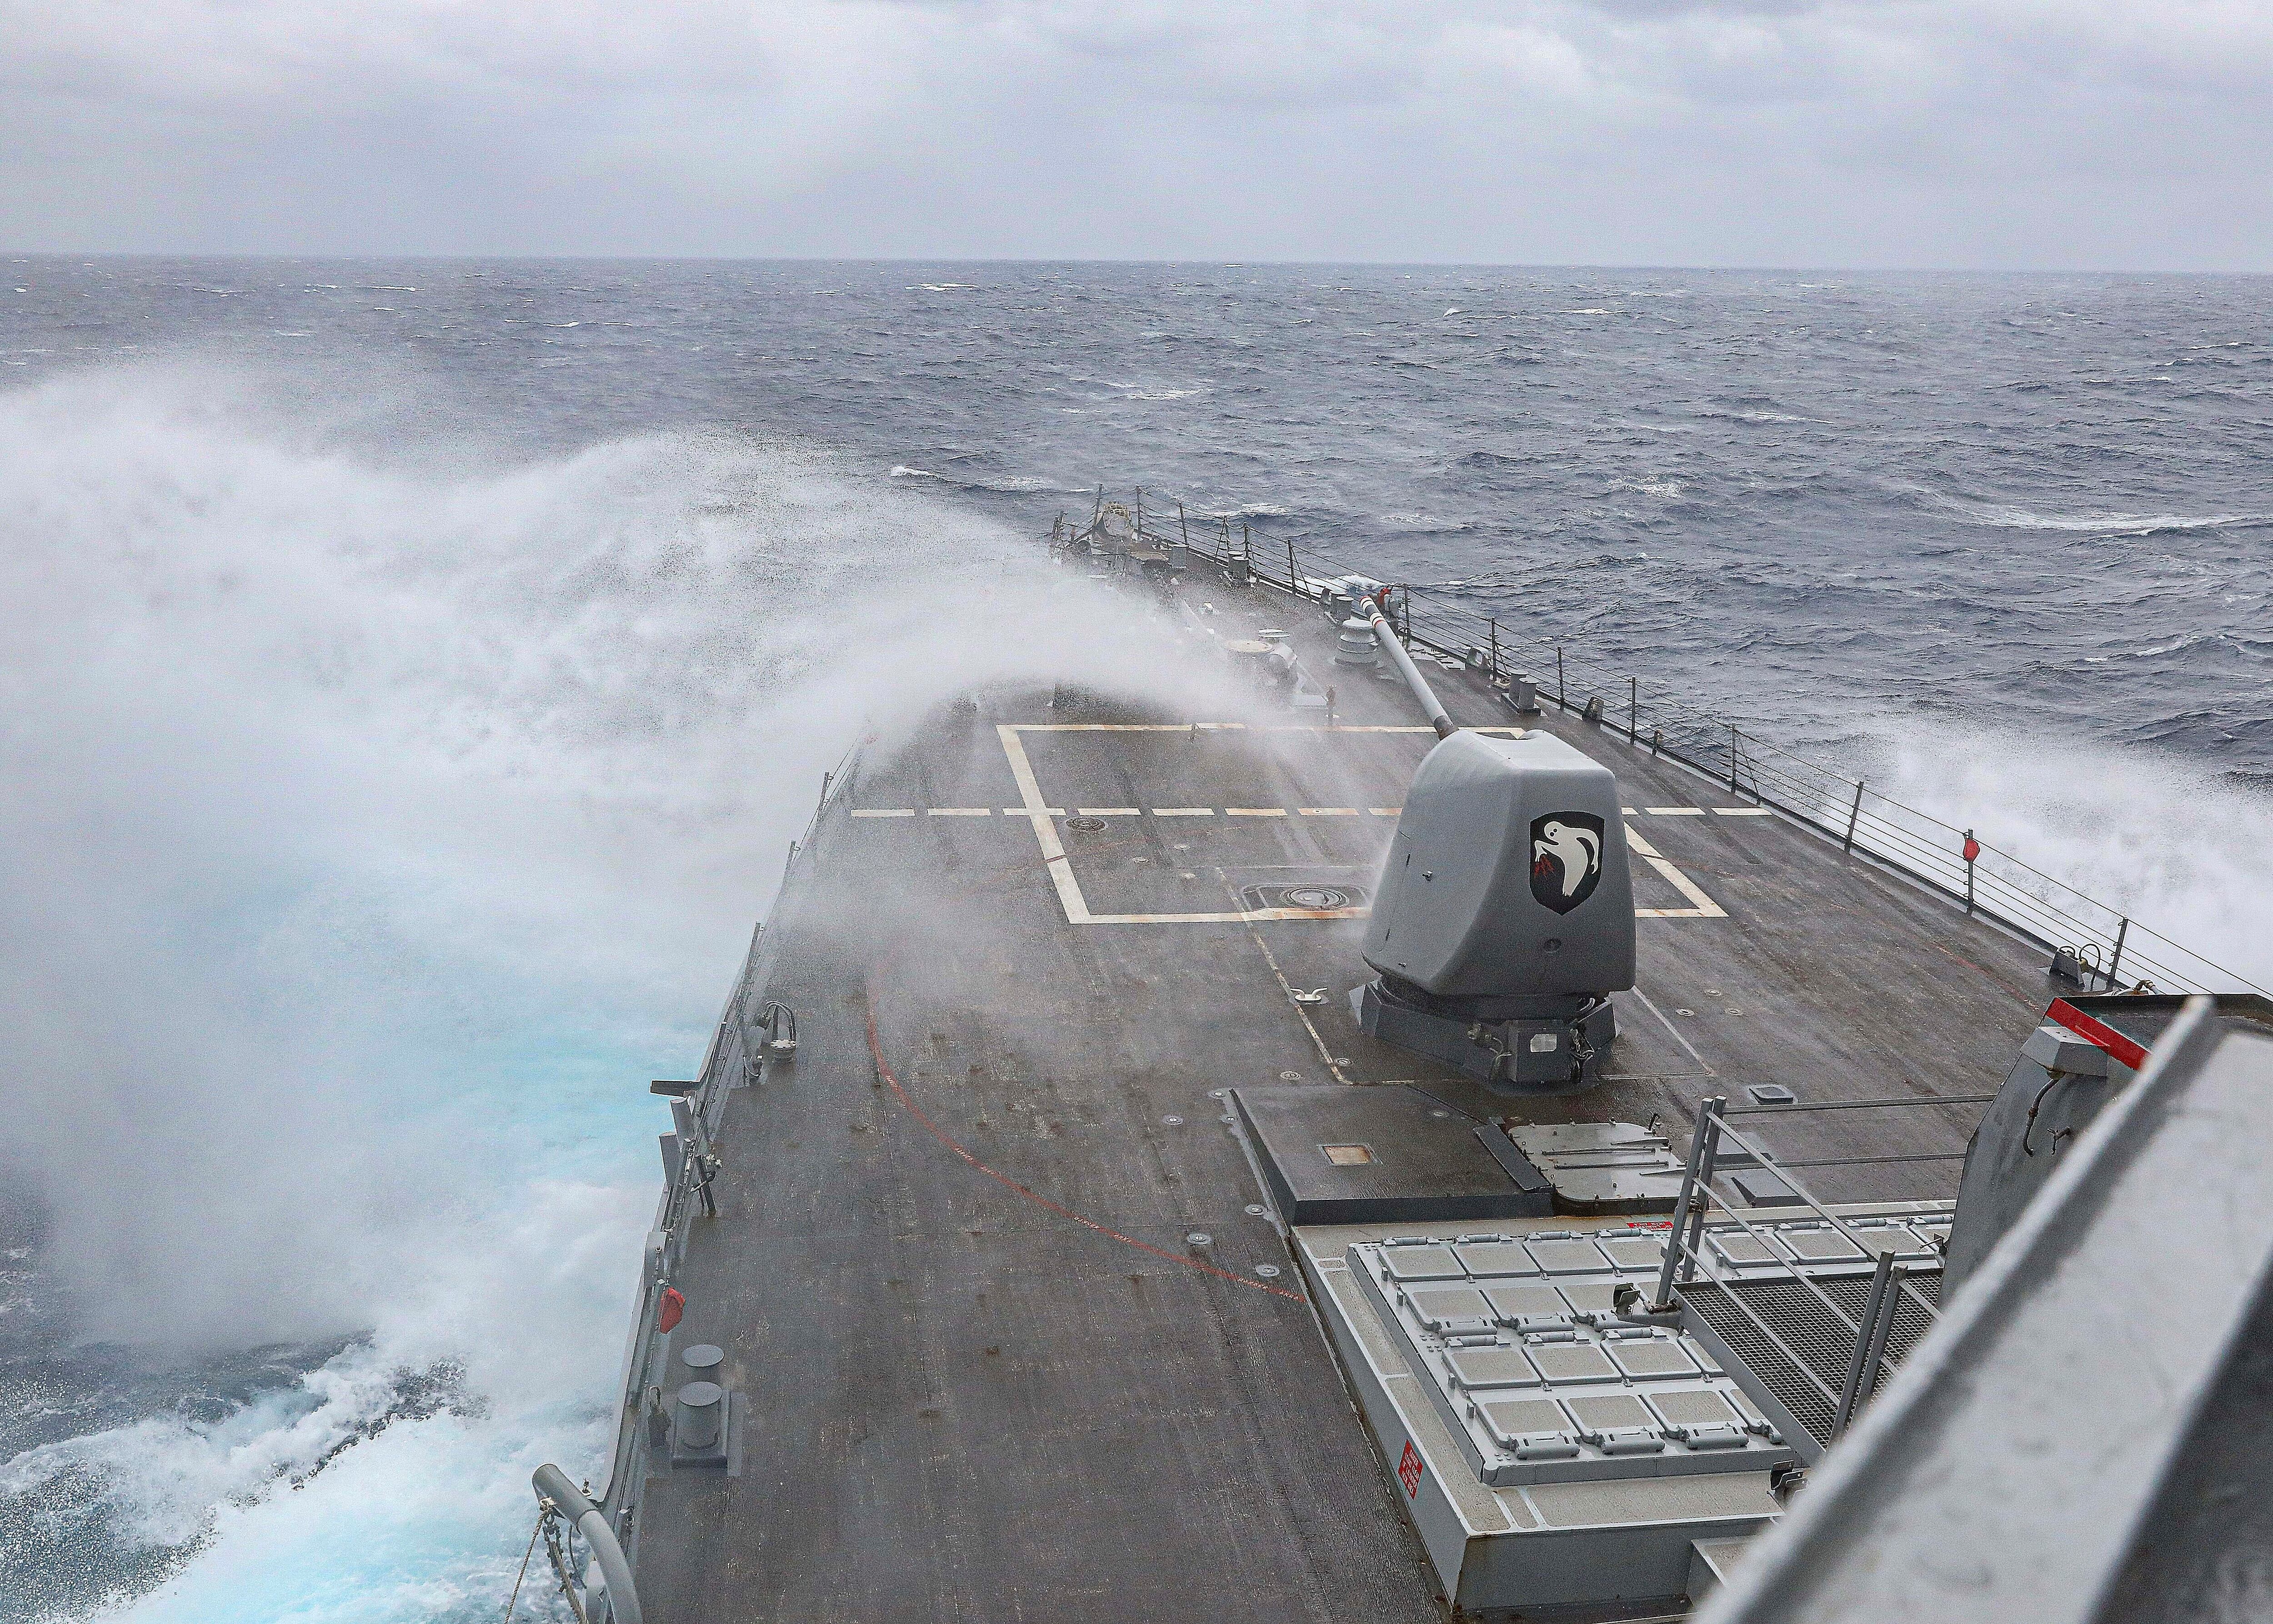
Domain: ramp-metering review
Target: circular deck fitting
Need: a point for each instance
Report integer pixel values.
(1440, 1115)
(1217, 1093)
(1290, 1077)
(1268, 1271)
(1173, 1122)
(1315, 897)
(1228, 1119)
(1199, 1238)
(1087, 825)
(1256, 1209)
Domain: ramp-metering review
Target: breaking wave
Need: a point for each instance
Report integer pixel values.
(387, 816)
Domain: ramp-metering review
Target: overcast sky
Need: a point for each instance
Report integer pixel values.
(2087, 133)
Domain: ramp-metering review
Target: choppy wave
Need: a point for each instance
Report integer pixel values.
(2007, 516)
(412, 759)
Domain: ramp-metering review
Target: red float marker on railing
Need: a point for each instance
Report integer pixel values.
(670, 1308)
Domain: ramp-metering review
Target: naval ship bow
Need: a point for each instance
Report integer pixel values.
(1437, 1146)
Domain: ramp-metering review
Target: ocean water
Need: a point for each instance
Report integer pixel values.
(416, 672)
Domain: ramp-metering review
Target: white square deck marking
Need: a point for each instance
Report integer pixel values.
(1701, 906)
(1059, 864)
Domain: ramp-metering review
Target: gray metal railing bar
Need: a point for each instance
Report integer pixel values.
(1814, 1162)
(1882, 827)
(1767, 1160)
(1859, 1105)
(1865, 1345)
(1798, 1273)
(726, 1057)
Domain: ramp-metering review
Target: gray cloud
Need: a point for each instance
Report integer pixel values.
(1879, 131)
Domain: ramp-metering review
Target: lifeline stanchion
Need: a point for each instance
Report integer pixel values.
(1676, 1239)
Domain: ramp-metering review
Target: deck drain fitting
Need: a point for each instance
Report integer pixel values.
(1198, 1238)
(1268, 1271)
(1255, 1209)
(1316, 897)
(1087, 825)
(1173, 1122)
(1290, 1077)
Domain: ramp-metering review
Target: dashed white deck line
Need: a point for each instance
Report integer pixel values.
(1629, 811)
(961, 811)
(1676, 811)
(1702, 907)
(883, 811)
(1107, 811)
(1041, 818)
(1327, 811)
(1742, 812)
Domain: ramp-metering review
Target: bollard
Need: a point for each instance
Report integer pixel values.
(701, 1417)
(704, 1361)
(1523, 693)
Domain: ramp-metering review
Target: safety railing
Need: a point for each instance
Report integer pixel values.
(2101, 944)
(1685, 1259)
(750, 1030)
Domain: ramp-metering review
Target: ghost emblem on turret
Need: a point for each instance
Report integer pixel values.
(1566, 858)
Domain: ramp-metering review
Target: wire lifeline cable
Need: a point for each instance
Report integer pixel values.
(884, 1071)
(513, 1600)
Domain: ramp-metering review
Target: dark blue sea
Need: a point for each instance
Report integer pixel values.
(415, 672)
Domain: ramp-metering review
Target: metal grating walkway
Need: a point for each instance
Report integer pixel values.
(1809, 1331)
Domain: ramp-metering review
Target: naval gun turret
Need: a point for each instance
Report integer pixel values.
(1504, 916)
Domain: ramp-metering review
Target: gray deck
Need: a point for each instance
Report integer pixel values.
(969, 1405)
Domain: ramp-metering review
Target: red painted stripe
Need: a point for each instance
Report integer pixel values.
(2098, 1032)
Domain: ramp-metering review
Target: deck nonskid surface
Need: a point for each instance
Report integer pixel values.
(991, 1374)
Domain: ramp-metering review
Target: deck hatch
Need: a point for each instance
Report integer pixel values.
(1419, 1263)
(1634, 1251)
(1511, 1419)
(1492, 1367)
(1656, 1356)
(1694, 1407)
(1495, 1258)
(1567, 1256)
(1611, 1412)
(1819, 1245)
(1591, 1296)
(1531, 1301)
(1741, 1251)
(1450, 1308)
(1573, 1362)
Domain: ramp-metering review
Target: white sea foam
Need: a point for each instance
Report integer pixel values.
(2002, 515)
(385, 818)
(2185, 854)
